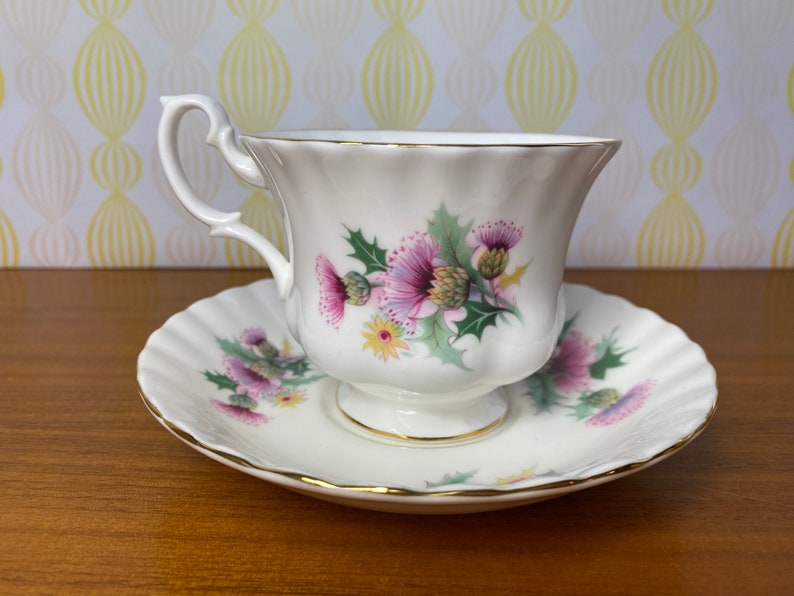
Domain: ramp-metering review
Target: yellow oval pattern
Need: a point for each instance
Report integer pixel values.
(672, 235)
(676, 168)
(109, 80)
(110, 84)
(397, 80)
(254, 80)
(541, 76)
(681, 85)
(256, 10)
(645, 62)
(119, 235)
(9, 245)
(783, 247)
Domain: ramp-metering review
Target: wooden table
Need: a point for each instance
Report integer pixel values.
(96, 497)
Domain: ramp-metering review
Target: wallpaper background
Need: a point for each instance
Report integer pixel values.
(701, 91)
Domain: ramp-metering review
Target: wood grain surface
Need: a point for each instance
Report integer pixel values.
(95, 497)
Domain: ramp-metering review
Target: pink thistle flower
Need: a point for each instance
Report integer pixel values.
(631, 401)
(571, 363)
(409, 279)
(333, 294)
(252, 337)
(496, 235)
(241, 414)
(492, 242)
(252, 380)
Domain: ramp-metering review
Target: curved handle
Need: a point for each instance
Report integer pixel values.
(222, 136)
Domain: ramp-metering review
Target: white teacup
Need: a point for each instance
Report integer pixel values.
(423, 269)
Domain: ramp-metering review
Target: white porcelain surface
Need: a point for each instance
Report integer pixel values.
(657, 393)
(427, 263)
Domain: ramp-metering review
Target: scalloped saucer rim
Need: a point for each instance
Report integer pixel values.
(635, 425)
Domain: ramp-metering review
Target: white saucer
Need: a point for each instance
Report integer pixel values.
(575, 431)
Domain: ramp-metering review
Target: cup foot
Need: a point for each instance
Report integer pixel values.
(418, 417)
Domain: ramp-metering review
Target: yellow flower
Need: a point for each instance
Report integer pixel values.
(383, 338)
(288, 399)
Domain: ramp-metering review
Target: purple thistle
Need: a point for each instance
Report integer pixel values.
(409, 278)
(252, 337)
(631, 401)
(250, 380)
(570, 364)
(241, 414)
(333, 293)
(496, 235)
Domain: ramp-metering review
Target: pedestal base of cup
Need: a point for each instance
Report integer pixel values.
(422, 417)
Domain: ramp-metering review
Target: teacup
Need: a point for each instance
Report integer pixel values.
(423, 270)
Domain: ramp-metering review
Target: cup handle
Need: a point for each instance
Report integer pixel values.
(223, 137)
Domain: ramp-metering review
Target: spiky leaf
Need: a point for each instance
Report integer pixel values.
(456, 478)
(434, 332)
(543, 391)
(608, 355)
(479, 315)
(372, 256)
(221, 380)
(233, 348)
(451, 237)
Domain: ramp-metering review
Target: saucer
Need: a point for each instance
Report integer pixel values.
(624, 390)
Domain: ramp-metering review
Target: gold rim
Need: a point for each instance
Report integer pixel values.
(585, 142)
(385, 490)
(408, 438)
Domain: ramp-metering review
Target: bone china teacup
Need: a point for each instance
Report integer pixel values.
(423, 270)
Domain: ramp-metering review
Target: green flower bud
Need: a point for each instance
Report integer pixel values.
(493, 262)
(264, 368)
(450, 287)
(357, 288)
(603, 398)
(266, 349)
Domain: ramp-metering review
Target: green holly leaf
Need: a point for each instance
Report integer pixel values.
(451, 237)
(582, 410)
(369, 253)
(479, 315)
(297, 365)
(222, 381)
(233, 348)
(436, 335)
(543, 391)
(608, 356)
(456, 478)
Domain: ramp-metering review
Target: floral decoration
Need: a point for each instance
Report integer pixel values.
(258, 377)
(437, 286)
(573, 376)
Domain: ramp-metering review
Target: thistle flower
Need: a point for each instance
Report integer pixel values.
(409, 278)
(255, 380)
(570, 364)
(496, 238)
(255, 339)
(450, 287)
(333, 293)
(357, 288)
(628, 403)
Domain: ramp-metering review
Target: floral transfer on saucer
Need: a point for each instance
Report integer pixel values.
(623, 390)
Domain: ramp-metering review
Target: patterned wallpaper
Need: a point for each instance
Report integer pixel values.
(701, 91)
